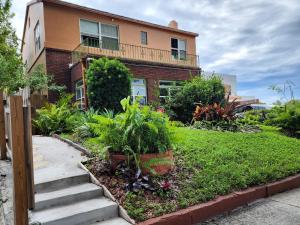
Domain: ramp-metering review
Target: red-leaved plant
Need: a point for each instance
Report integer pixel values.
(216, 112)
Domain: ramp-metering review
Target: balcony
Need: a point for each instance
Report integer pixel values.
(91, 48)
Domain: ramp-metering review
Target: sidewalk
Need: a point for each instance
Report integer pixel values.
(281, 209)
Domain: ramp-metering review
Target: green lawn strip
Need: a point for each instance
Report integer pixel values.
(216, 163)
(233, 161)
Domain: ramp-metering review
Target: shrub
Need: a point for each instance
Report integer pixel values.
(202, 90)
(108, 82)
(254, 117)
(287, 117)
(216, 117)
(57, 118)
(223, 125)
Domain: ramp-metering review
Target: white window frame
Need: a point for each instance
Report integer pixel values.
(144, 85)
(100, 35)
(37, 37)
(79, 86)
(178, 49)
(173, 85)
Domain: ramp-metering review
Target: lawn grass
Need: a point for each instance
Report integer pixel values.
(233, 161)
(212, 163)
(221, 162)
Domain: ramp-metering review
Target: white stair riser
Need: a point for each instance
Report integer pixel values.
(61, 183)
(88, 218)
(68, 199)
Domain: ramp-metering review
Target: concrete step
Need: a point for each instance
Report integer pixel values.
(67, 195)
(56, 183)
(114, 221)
(80, 213)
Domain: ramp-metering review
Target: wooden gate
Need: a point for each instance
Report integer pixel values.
(16, 143)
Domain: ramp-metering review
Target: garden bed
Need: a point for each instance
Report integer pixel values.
(208, 164)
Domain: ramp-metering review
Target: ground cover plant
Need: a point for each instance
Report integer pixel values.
(208, 164)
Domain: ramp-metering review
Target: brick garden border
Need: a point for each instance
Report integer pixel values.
(220, 205)
(204, 211)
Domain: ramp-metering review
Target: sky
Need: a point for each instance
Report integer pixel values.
(256, 40)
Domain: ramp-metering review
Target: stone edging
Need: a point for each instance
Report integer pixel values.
(73, 144)
(122, 212)
(201, 212)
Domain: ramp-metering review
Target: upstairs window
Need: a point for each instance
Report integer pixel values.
(178, 49)
(99, 35)
(144, 38)
(89, 33)
(37, 37)
(109, 37)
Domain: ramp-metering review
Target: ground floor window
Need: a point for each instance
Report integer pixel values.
(79, 94)
(139, 90)
(167, 88)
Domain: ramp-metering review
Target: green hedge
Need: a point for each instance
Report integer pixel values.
(108, 82)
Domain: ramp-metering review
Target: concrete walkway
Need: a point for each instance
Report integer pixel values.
(281, 209)
(54, 159)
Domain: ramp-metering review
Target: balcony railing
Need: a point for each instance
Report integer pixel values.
(132, 52)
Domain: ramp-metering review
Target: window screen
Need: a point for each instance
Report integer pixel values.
(144, 38)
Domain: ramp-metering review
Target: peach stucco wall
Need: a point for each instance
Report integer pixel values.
(35, 14)
(62, 30)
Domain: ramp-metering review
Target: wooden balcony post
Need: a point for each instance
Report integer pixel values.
(2, 129)
(20, 193)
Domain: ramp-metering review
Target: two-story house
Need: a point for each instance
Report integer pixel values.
(64, 37)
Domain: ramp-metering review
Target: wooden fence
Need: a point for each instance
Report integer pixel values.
(16, 143)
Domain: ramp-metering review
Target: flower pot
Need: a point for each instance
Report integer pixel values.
(116, 158)
(157, 163)
(153, 163)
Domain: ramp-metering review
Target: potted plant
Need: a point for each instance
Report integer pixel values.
(139, 134)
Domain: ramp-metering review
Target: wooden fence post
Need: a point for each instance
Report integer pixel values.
(19, 161)
(29, 155)
(2, 129)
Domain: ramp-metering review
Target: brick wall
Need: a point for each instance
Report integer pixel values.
(57, 64)
(152, 74)
(76, 74)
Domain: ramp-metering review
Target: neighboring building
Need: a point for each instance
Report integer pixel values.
(64, 36)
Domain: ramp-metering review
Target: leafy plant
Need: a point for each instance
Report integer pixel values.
(57, 118)
(286, 117)
(222, 125)
(11, 69)
(38, 81)
(136, 131)
(108, 82)
(216, 112)
(203, 90)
